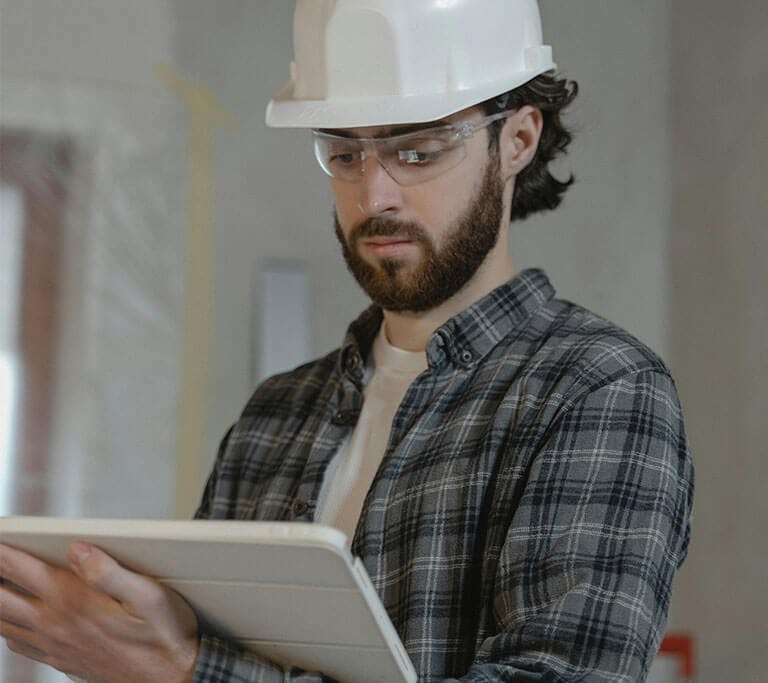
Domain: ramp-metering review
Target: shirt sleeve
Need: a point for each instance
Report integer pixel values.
(205, 508)
(585, 575)
(220, 660)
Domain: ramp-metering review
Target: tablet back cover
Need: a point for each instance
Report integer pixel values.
(290, 591)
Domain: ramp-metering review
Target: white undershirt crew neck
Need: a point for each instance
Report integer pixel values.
(389, 373)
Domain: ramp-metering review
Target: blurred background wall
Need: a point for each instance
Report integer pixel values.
(719, 322)
(94, 146)
(664, 232)
(79, 76)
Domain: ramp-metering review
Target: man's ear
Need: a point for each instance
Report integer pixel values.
(519, 140)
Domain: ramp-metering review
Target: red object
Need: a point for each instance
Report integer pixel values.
(680, 645)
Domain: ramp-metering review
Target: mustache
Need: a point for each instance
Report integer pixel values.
(380, 226)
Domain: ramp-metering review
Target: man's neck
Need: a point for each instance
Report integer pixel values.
(411, 331)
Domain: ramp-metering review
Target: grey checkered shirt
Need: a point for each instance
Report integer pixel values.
(532, 506)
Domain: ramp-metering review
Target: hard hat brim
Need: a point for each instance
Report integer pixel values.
(284, 111)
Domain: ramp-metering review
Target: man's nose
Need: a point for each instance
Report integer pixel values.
(379, 193)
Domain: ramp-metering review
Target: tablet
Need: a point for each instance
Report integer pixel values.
(290, 591)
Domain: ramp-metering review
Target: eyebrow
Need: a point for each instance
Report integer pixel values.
(389, 132)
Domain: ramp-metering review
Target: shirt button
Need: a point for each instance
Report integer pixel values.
(299, 507)
(343, 417)
(466, 356)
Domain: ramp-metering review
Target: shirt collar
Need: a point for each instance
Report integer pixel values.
(358, 342)
(466, 338)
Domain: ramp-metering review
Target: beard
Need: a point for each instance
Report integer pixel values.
(443, 270)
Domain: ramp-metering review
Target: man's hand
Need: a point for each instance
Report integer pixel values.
(99, 622)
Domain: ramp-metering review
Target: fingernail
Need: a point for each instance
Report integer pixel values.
(79, 552)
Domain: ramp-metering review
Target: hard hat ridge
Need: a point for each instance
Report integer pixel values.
(375, 62)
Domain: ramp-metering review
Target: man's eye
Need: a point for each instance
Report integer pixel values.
(343, 158)
(418, 156)
(422, 151)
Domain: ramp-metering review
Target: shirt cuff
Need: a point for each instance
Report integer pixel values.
(221, 661)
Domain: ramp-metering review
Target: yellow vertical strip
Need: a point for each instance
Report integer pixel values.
(203, 114)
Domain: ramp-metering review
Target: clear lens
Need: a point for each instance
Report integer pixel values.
(339, 157)
(409, 159)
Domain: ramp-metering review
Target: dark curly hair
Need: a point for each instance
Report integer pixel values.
(536, 189)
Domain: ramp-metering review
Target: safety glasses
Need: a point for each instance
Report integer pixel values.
(409, 159)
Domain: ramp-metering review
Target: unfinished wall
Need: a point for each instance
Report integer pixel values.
(606, 246)
(83, 71)
(719, 284)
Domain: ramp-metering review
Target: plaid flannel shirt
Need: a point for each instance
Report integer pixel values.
(532, 506)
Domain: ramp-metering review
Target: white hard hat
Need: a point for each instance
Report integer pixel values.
(377, 62)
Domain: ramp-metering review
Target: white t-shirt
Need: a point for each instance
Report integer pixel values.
(350, 473)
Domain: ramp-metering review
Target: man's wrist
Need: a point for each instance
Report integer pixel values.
(186, 659)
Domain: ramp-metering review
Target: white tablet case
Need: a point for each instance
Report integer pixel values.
(290, 591)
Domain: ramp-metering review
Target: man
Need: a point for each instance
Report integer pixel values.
(511, 468)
